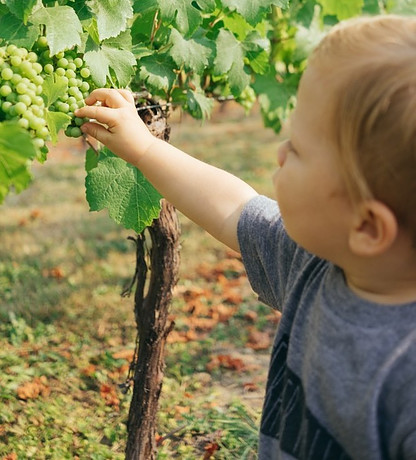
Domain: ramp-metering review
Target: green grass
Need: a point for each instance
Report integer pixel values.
(62, 319)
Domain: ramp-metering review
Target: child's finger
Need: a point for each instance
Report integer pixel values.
(107, 97)
(95, 130)
(102, 114)
(128, 96)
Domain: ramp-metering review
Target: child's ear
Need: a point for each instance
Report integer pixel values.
(374, 230)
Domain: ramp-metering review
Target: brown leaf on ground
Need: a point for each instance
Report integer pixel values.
(124, 354)
(258, 340)
(32, 390)
(210, 450)
(250, 386)
(109, 394)
(89, 370)
(11, 456)
(226, 362)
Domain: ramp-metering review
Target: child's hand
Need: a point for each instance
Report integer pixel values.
(124, 132)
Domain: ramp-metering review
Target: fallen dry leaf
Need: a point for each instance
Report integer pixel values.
(258, 340)
(109, 393)
(31, 390)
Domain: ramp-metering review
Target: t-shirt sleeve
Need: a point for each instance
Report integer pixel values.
(272, 260)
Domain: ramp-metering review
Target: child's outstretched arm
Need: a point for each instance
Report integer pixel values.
(209, 196)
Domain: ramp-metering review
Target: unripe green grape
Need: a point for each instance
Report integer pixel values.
(60, 71)
(73, 82)
(71, 66)
(78, 62)
(21, 88)
(5, 90)
(84, 87)
(15, 61)
(12, 97)
(73, 107)
(38, 142)
(20, 108)
(63, 63)
(42, 42)
(23, 123)
(71, 100)
(5, 106)
(7, 74)
(16, 78)
(32, 57)
(39, 90)
(26, 67)
(43, 132)
(85, 72)
(37, 67)
(11, 49)
(64, 107)
(38, 80)
(48, 68)
(60, 55)
(70, 73)
(76, 131)
(74, 91)
(38, 100)
(78, 121)
(26, 99)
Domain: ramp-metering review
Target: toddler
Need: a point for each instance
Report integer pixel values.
(337, 253)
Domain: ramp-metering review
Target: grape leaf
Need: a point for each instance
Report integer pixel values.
(342, 9)
(276, 98)
(253, 12)
(406, 7)
(188, 52)
(91, 160)
(157, 71)
(13, 30)
(207, 6)
(59, 38)
(121, 188)
(112, 16)
(21, 8)
(182, 14)
(198, 104)
(54, 87)
(230, 60)
(56, 121)
(101, 60)
(16, 153)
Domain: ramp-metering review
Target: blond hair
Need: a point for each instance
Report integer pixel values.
(372, 62)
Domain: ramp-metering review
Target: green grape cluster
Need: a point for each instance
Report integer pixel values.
(68, 66)
(21, 83)
(247, 98)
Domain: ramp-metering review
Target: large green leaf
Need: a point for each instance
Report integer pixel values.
(101, 60)
(21, 8)
(276, 97)
(123, 190)
(157, 71)
(112, 16)
(342, 9)
(63, 27)
(188, 52)
(198, 104)
(230, 61)
(16, 153)
(13, 30)
(181, 13)
(253, 12)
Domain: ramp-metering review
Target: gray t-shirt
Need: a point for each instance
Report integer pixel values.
(342, 377)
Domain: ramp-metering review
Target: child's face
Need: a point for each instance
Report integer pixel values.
(308, 184)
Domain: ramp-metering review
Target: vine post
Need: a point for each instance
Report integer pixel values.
(157, 267)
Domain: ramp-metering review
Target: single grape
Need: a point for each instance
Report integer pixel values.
(7, 74)
(84, 72)
(5, 90)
